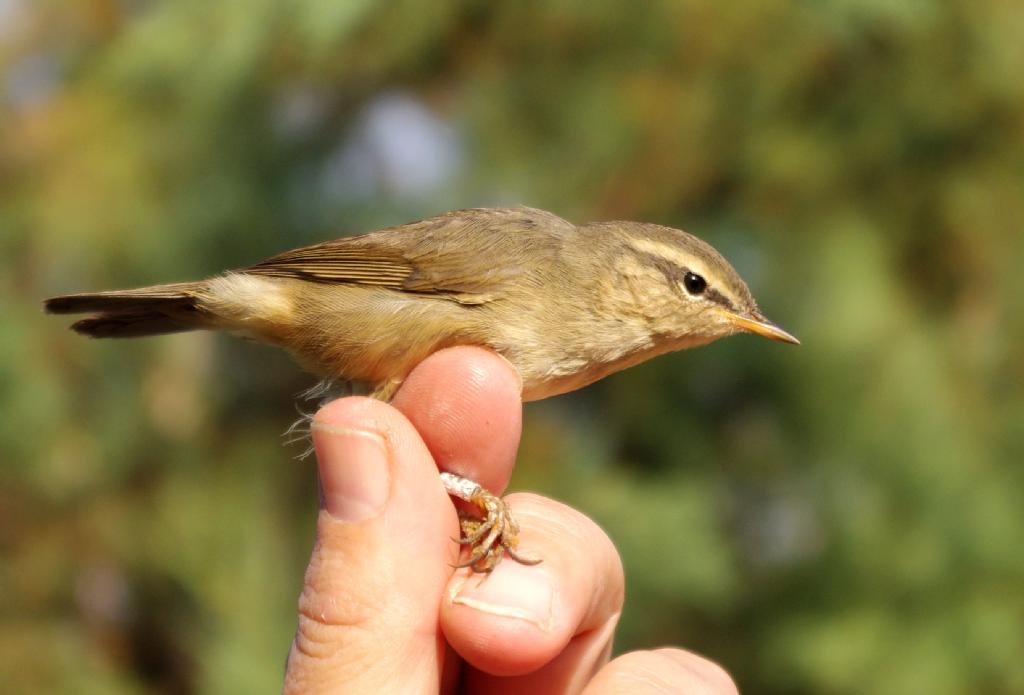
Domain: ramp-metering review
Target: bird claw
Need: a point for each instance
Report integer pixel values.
(490, 537)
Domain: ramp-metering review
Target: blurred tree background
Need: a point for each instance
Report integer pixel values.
(843, 517)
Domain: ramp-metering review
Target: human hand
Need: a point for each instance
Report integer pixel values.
(382, 609)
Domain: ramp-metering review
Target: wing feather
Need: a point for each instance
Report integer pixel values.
(467, 256)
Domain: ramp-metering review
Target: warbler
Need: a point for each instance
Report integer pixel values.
(566, 305)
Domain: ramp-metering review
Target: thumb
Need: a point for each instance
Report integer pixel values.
(368, 613)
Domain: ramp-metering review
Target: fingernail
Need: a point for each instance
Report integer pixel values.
(355, 479)
(512, 591)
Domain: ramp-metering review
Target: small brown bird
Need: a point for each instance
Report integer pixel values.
(566, 305)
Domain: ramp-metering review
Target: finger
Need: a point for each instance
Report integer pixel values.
(465, 402)
(544, 623)
(368, 612)
(660, 672)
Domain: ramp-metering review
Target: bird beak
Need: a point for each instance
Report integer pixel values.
(760, 325)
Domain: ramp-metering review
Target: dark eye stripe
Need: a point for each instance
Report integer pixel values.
(717, 297)
(675, 274)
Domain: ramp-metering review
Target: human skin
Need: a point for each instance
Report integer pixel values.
(383, 610)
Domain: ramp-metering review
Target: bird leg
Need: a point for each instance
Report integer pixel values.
(490, 537)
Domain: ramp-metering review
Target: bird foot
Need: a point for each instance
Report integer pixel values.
(491, 536)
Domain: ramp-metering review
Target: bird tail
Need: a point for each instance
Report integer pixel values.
(144, 311)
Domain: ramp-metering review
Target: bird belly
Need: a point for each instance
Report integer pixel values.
(372, 335)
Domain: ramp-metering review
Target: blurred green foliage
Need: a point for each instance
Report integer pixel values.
(844, 517)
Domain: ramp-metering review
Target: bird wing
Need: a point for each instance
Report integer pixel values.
(467, 256)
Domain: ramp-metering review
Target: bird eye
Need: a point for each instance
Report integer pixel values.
(694, 283)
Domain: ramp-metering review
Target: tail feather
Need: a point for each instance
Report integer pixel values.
(131, 325)
(133, 313)
(157, 296)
